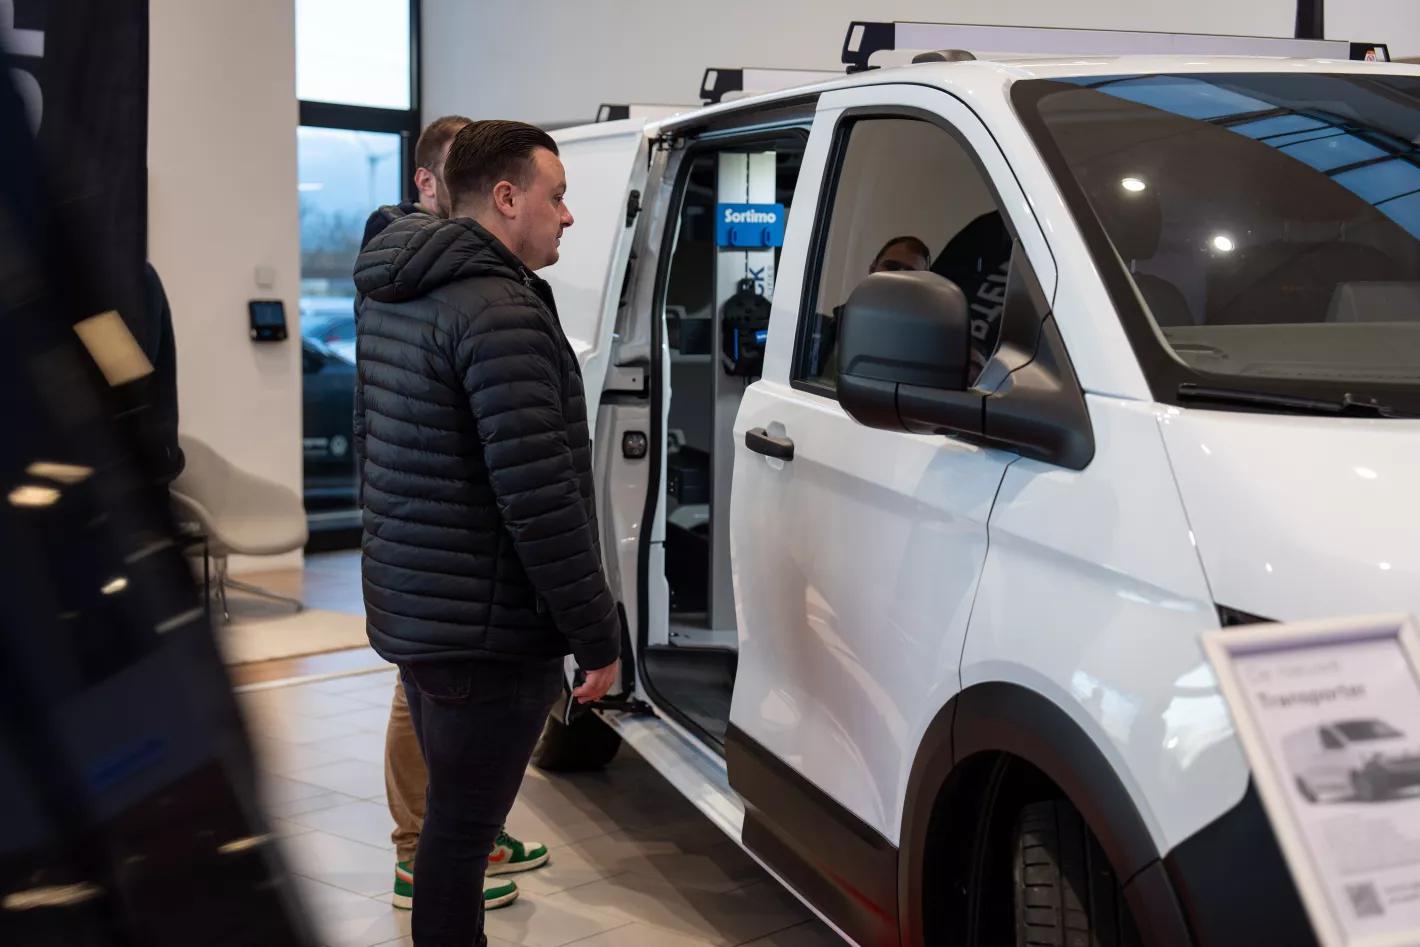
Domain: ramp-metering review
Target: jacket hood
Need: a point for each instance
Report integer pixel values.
(417, 253)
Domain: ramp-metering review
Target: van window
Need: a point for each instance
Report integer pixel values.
(1269, 223)
(906, 195)
(1359, 730)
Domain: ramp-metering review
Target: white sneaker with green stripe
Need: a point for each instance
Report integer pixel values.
(497, 893)
(510, 855)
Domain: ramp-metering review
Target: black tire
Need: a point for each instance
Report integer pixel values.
(1066, 893)
(586, 743)
(1305, 790)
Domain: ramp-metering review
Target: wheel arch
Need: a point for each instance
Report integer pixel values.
(997, 742)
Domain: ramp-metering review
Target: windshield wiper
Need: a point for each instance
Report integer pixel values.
(1348, 405)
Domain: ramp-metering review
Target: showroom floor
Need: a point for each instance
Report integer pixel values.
(632, 863)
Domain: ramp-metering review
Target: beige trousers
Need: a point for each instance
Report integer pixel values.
(405, 777)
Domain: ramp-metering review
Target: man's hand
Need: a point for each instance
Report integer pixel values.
(597, 683)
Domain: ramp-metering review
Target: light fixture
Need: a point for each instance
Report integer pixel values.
(114, 586)
(1385, 566)
(1366, 473)
(32, 495)
(1223, 243)
(1132, 184)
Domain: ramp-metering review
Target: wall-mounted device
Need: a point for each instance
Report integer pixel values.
(268, 320)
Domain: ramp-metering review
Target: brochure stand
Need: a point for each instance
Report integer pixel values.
(1328, 713)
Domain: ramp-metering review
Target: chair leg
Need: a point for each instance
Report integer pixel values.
(222, 588)
(260, 592)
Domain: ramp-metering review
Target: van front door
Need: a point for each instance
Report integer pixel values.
(857, 551)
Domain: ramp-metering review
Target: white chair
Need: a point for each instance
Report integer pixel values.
(236, 512)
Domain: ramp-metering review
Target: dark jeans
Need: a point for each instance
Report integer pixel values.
(477, 723)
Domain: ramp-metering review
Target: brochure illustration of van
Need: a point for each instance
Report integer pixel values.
(1365, 760)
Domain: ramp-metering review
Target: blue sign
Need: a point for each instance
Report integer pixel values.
(749, 226)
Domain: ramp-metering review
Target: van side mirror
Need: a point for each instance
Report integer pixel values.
(906, 336)
(904, 355)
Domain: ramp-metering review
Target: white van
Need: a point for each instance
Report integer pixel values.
(915, 572)
(1366, 760)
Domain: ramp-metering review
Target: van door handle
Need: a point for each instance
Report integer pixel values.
(762, 442)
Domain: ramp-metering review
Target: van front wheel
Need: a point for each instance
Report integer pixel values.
(1065, 889)
(585, 743)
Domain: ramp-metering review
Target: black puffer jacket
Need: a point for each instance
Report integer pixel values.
(476, 470)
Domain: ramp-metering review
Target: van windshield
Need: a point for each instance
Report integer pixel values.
(1358, 730)
(1262, 230)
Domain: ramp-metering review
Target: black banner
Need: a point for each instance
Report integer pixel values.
(81, 68)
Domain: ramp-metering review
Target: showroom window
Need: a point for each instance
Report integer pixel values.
(357, 76)
(907, 195)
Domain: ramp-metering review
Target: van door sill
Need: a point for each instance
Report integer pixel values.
(699, 774)
(696, 772)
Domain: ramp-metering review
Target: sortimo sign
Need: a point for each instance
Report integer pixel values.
(749, 226)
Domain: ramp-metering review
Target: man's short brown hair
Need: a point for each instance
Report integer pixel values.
(486, 152)
(432, 140)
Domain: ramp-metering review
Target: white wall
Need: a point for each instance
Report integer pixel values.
(552, 60)
(1396, 22)
(222, 201)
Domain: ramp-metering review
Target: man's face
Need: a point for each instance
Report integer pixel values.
(542, 213)
(897, 258)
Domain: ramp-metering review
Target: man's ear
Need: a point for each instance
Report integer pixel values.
(506, 198)
(424, 182)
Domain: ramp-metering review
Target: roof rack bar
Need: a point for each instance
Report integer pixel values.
(616, 111)
(718, 83)
(864, 38)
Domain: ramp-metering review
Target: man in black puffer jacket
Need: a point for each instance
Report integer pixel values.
(480, 553)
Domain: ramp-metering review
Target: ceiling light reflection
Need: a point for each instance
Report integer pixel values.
(114, 586)
(1132, 184)
(33, 495)
(1223, 243)
(63, 473)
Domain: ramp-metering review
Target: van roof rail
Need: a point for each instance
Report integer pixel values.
(945, 55)
(614, 111)
(717, 83)
(865, 38)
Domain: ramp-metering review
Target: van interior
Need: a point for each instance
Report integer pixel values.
(690, 659)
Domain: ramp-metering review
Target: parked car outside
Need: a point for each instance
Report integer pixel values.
(327, 432)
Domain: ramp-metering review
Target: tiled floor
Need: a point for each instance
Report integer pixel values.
(633, 863)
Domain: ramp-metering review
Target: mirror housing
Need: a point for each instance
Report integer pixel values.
(901, 334)
(905, 365)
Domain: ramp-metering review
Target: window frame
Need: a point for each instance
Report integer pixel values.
(828, 200)
(406, 123)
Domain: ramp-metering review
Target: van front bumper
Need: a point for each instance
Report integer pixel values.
(1232, 883)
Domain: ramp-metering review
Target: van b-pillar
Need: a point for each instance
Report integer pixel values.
(743, 179)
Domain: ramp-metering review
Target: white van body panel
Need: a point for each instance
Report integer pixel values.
(855, 564)
(1094, 597)
(1302, 517)
(605, 163)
